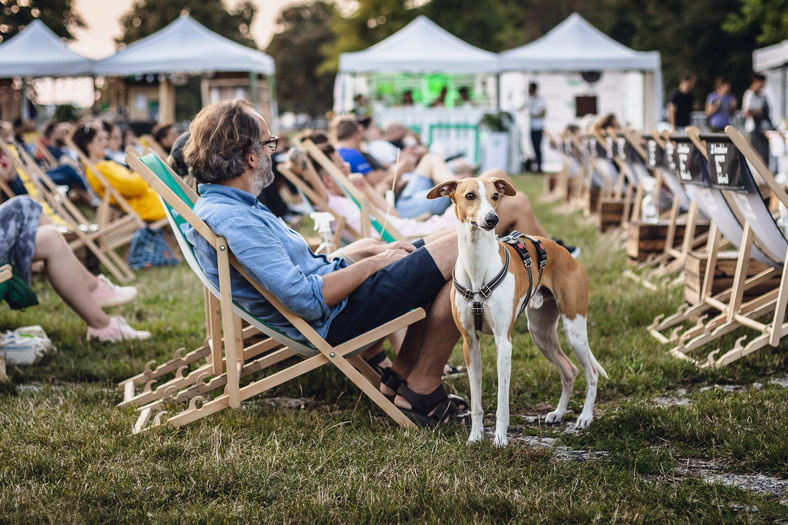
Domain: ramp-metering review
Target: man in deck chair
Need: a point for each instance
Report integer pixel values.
(229, 152)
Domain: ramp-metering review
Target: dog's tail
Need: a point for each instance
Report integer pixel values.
(597, 366)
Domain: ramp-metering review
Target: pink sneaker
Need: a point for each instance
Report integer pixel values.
(117, 330)
(108, 294)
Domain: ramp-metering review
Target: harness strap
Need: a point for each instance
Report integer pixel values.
(513, 239)
(477, 309)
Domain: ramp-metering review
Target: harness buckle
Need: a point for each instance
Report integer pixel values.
(477, 310)
(485, 291)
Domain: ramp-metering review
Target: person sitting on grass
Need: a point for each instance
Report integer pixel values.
(229, 152)
(27, 237)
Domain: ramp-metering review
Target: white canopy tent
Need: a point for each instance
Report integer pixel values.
(37, 51)
(772, 61)
(630, 84)
(420, 47)
(187, 47)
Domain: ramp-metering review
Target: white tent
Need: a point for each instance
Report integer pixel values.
(576, 46)
(420, 47)
(184, 46)
(773, 62)
(37, 51)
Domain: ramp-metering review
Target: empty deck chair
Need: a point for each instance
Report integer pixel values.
(730, 159)
(240, 359)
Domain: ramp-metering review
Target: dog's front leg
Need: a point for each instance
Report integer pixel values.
(473, 359)
(503, 344)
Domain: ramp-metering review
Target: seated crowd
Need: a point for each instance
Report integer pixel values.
(230, 151)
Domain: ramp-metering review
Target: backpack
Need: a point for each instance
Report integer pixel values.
(149, 248)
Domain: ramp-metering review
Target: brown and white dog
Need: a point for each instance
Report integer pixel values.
(562, 292)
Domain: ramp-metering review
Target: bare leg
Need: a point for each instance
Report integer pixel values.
(62, 267)
(434, 167)
(516, 213)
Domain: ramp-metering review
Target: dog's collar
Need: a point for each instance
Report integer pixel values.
(485, 291)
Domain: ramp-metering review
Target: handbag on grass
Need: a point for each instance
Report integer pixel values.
(16, 292)
(148, 248)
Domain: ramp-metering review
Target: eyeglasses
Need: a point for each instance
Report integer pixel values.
(272, 143)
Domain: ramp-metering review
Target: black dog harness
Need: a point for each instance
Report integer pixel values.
(513, 239)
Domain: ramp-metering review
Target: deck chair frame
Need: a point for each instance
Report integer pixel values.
(238, 360)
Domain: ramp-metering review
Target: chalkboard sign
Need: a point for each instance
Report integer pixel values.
(655, 155)
(690, 164)
(725, 163)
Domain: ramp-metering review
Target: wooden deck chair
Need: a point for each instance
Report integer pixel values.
(113, 203)
(371, 216)
(727, 222)
(730, 158)
(67, 217)
(240, 360)
(310, 196)
(149, 142)
(581, 186)
(666, 268)
(556, 184)
(600, 174)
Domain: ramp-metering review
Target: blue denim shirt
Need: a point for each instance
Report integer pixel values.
(271, 253)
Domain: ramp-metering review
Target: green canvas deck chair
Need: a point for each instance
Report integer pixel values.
(731, 164)
(371, 216)
(67, 217)
(231, 358)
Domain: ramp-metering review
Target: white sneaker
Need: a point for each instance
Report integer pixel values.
(109, 294)
(117, 330)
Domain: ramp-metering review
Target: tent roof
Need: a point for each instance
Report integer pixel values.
(37, 51)
(420, 47)
(184, 46)
(576, 45)
(770, 57)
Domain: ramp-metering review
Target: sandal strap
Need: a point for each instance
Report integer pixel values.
(424, 403)
(376, 359)
(390, 378)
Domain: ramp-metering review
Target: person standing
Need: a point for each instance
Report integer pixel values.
(682, 102)
(536, 113)
(755, 108)
(720, 105)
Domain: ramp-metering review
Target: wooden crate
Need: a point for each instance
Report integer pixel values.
(611, 212)
(645, 239)
(695, 268)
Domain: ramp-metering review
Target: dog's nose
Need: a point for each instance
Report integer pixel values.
(491, 220)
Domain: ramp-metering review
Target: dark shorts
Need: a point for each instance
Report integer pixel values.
(409, 283)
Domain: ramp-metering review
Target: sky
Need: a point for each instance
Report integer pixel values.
(103, 20)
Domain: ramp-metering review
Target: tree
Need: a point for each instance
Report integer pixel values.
(768, 18)
(148, 16)
(297, 51)
(58, 15)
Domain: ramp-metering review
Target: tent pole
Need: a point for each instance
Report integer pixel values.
(498, 92)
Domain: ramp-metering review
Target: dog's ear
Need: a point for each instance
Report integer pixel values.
(444, 189)
(503, 186)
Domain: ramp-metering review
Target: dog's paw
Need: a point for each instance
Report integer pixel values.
(500, 441)
(554, 417)
(584, 421)
(475, 437)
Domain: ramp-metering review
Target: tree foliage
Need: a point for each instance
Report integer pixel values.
(769, 18)
(58, 15)
(148, 16)
(297, 51)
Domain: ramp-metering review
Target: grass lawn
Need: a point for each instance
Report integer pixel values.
(666, 441)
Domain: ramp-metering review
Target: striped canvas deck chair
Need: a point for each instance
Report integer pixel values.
(216, 367)
(732, 161)
(67, 217)
(729, 223)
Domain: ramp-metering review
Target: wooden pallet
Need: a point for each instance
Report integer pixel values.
(695, 271)
(645, 239)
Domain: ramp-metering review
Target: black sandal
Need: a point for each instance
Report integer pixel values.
(375, 361)
(431, 410)
(390, 378)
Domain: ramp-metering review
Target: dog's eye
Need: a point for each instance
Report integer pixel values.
(495, 196)
(470, 196)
